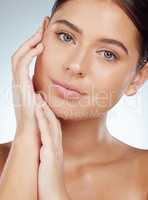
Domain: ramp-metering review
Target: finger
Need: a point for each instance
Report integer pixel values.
(23, 90)
(22, 72)
(49, 113)
(53, 123)
(53, 136)
(43, 126)
(27, 45)
(49, 150)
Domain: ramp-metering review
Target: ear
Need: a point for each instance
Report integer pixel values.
(139, 79)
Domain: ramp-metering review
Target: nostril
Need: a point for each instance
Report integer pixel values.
(67, 68)
(75, 71)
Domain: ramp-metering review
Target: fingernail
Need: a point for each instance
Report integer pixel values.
(41, 45)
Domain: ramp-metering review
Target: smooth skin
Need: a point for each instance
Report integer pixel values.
(41, 148)
(95, 165)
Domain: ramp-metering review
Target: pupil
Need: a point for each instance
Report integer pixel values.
(67, 37)
(108, 54)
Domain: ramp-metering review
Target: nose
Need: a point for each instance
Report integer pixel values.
(77, 66)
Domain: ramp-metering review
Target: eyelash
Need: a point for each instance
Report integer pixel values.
(64, 33)
(105, 51)
(115, 57)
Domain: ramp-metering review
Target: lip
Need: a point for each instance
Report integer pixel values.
(68, 86)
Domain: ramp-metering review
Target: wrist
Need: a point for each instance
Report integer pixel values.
(26, 126)
(27, 141)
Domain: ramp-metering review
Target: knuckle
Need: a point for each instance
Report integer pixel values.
(14, 66)
(17, 70)
(14, 60)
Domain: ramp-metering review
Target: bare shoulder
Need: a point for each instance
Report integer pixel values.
(4, 151)
(142, 168)
(143, 157)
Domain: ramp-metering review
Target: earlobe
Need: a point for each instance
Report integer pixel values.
(131, 92)
(138, 81)
(134, 85)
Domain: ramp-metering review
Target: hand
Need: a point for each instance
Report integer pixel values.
(51, 184)
(23, 91)
(23, 158)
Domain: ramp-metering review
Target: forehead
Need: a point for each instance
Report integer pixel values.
(100, 18)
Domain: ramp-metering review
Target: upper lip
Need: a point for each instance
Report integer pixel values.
(68, 86)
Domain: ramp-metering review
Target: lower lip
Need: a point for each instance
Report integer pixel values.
(66, 93)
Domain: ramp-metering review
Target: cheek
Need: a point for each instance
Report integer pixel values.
(110, 88)
(52, 58)
(48, 65)
(54, 51)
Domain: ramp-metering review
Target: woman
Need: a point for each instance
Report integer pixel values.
(62, 148)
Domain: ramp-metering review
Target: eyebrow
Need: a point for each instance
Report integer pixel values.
(102, 40)
(67, 23)
(114, 42)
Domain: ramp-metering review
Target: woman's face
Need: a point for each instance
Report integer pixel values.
(100, 59)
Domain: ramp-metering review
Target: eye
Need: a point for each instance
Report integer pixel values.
(63, 36)
(109, 56)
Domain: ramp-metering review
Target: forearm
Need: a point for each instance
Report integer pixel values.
(56, 192)
(19, 177)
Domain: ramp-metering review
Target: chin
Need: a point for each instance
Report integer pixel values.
(67, 111)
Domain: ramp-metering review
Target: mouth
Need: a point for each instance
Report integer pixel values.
(66, 90)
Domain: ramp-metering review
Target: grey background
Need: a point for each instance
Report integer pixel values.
(127, 121)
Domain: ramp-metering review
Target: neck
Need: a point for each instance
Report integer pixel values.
(79, 137)
(89, 141)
